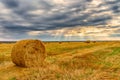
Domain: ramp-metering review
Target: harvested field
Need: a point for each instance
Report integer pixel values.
(67, 61)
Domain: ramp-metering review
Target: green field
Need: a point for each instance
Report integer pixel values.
(67, 61)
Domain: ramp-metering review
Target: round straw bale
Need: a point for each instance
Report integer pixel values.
(28, 53)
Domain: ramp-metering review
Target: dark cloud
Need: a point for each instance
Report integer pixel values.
(116, 8)
(89, 0)
(11, 3)
(102, 19)
(112, 2)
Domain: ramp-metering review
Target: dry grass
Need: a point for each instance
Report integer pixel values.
(67, 61)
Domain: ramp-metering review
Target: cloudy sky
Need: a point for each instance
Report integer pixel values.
(60, 20)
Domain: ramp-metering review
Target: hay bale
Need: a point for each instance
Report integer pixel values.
(28, 53)
(94, 41)
(88, 41)
(60, 42)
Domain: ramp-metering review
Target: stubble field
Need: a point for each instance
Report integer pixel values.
(67, 61)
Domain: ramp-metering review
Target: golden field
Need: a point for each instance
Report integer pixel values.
(67, 61)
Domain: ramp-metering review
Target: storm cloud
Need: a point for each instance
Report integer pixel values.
(18, 18)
